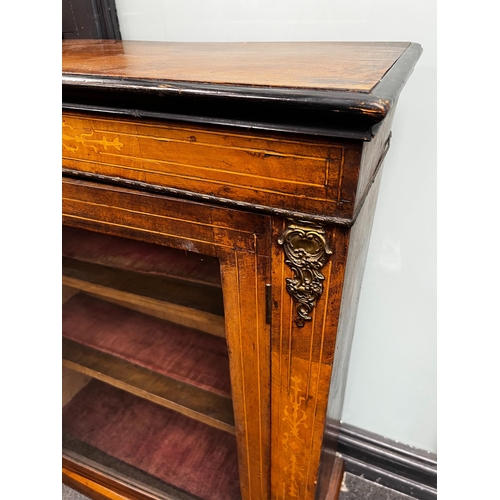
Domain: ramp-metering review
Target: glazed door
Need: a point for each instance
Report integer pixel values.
(166, 355)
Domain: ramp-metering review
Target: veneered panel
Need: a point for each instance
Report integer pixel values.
(301, 175)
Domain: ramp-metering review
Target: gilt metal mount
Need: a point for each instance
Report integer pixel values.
(306, 253)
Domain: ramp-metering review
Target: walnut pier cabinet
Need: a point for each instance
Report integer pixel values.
(217, 206)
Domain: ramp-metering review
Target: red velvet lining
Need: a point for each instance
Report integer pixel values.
(176, 449)
(174, 350)
(140, 256)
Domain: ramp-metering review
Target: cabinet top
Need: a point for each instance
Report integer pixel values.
(252, 84)
(316, 65)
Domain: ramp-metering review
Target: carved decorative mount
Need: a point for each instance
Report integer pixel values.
(306, 252)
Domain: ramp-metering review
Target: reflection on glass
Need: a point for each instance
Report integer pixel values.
(146, 386)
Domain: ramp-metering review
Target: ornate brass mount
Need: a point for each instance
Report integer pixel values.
(306, 252)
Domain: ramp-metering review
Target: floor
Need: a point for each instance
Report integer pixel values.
(353, 488)
(70, 494)
(358, 488)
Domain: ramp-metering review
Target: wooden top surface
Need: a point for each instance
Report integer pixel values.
(330, 66)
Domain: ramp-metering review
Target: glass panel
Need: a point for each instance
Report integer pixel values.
(146, 385)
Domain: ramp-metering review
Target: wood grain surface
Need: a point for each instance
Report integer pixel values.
(247, 333)
(301, 365)
(92, 489)
(313, 176)
(355, 66)
(98, 485)
(177, 223)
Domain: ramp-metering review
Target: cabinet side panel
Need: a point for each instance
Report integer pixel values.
(301, 362)
(359, 238)
(372, 154)
(243, 280)
(358, 249)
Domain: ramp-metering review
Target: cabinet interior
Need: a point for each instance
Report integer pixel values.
(146, 379)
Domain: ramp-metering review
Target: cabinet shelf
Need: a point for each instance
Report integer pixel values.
(152, 444)
(177, 367)
(205, 406)
(139, 256)
(191, 304)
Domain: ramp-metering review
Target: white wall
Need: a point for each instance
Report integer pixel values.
(391, 388)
